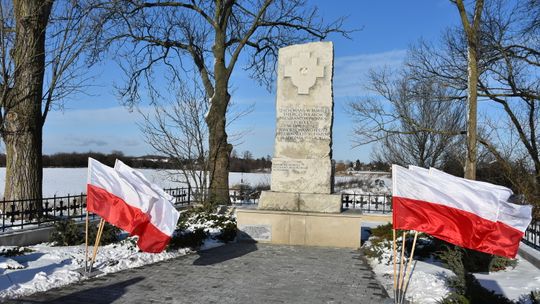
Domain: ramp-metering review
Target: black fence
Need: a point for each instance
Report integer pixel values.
(532, 235)
(368, 203)
(25, 214)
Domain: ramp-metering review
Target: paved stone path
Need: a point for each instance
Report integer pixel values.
(235, 273)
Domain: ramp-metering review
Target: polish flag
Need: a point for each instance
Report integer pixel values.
(502, 192)
(124, 198)
(458, 211)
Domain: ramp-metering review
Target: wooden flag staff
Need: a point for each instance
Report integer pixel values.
(394, 257)
(409, 265)
(401, 281)
(86, 245)
(400, 277)
(96, 244)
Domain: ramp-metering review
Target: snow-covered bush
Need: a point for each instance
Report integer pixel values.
(196, 224)
(534, 297)
(15, 251)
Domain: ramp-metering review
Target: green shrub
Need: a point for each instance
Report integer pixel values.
(228, 232)
(454, 298)
(501, 263)
(110, 234)
(381, 241)
(16, 251)
(476, 293)
(534, 296)
(384, 232)
(188, 239)
(475, 261)
(197, 224)
(66, 233)
(465, 287)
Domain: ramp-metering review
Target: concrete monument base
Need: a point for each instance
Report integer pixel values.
(298, 202)
(300, 228)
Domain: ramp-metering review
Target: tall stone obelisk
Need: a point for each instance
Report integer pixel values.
(302, 171)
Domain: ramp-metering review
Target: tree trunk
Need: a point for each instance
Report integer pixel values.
(23, 120)
(471, 30)
(23, 160)
(219, 149)
(472, 82)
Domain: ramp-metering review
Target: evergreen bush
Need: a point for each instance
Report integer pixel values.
(188, 239)
(66, 233)
(197, 224)
(16, 251)
(534, 297)
(465, 287)
(110, 234)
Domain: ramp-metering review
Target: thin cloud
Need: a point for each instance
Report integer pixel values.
(86, 142)
(350, 71)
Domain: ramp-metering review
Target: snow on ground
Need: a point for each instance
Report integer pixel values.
(427, 284)
(428, 279)
(63, 181)
(42, 267)
(49, 267)
(513, 283)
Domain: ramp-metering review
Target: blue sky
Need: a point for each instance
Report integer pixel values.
(98, 122)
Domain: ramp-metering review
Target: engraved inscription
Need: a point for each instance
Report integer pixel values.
(304, 71)
(256, 232)
(300, 124)
(297, 167)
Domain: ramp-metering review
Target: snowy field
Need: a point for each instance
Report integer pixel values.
(63, 181)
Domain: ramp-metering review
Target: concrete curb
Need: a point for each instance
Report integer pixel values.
(530, 254)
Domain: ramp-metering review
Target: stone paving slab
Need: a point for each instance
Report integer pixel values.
(235, 273)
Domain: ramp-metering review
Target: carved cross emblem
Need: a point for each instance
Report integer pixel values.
(304, 71)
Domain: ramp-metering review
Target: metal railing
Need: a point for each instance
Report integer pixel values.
(368, 203)
(532, 235)
(26, 214)
(23, 214)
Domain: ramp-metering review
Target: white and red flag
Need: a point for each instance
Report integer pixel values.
(124, 198)
(468, 214)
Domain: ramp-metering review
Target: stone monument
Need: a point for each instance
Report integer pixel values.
(302, 171)
(300, 208)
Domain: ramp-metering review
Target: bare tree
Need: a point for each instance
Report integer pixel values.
(40, 47)
(508, 65)
(414, 122)
(178, 131)
(209, 37)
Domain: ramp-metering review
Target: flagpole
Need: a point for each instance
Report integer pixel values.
(86, 245)
(394, 258)
(400, 276)
(96, 245)
(409, 266)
